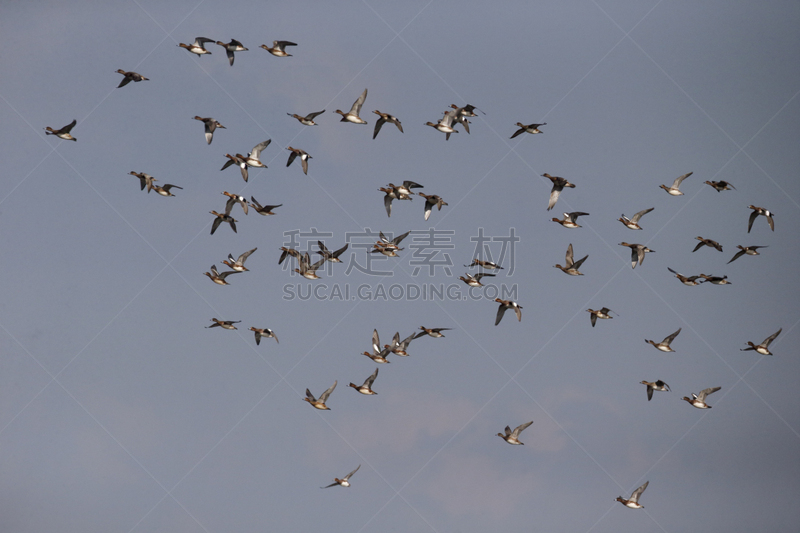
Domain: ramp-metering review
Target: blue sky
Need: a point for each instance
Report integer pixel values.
(119, 411)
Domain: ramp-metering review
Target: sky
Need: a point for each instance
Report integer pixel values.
(120, 410)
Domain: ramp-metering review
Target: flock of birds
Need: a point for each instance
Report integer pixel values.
(453, 117)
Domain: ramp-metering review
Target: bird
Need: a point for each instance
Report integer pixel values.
(484, 264)
(571, 267)
(431, 332)
(238, 264)
(307, 270)
(237, 160)
(690, 281)
(279, 48)
(571, 219)
(289, 252)
(763, 348)
(218, 278)
(352, 115)
(253, 158)
(445, 125)
(707, 242)
(664, 345)
(198, 46)
(653, 386)
(344, 482)
(263, 209)
(637, 253)
(716, 280)
(756, 211)
(379, 352)
(558, 186)
(431, 201)
(145, 180)
(129, 77)
(328, 255)
(393, 243)
(399, 347)
(164, 190)
(223, 217)
(224, 324)
(633, 222)
(234, 199)
(467, 110)
(391, 194)
(674, 191)
(320, 403)
(459, 117)
(602, 313)
(307, 120)
(530, 128)
(474, 281)
(507, 304)
(366, 388)
(63, 133)
(384, 118)
(231, 47)
(404, 190)
(265, 333)
(749, 250)
(633, 501)
(512, 437)
(304, 157)
(720, 186)
(699, 400)
(210, 126)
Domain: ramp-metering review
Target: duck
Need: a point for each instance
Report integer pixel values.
(571, 219)
(307, 270)
(366, 388)
(224, 324)
(384, 118)
(633, 222)
(484, 264)
(699, 400)
(264, 210)
(238, 264)
(637, 253)
(129, 77)
(749, 250)
(304, 157)
(707, 242)
(253, 158)
(379, 353)
(231, 47)
(391, 194)
(571, 267)
(758, 211)
(720, 186)
(716, 280)
(279, 48)
(399, 347)
(530, 128)
(690, 281)
(507, 304)
(475, 281)
(388, 251)
(445, 125)
(404, 191)
(223, 217)
(664, 345)
(145, 180)
(467, 110)
(512, 437)
(265, 333)
(344, 481)
(307, 120)
(63, 133)
(328, 255)
(237, 160)
(633, 501)
(393, 243)
(674, 190)
(320, 403)
(436, 333)
(558, 186)
(655, 386)
(459, 117)
(763, 348)
(431, 201)
(218, 278)
(234, 199)
(602, 313)
(352, 115)
(198, 46)
(286, 252)
(210, 126)
(164, 190)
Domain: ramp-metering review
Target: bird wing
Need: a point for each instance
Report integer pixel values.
(640, 214)
(376, 341)
(705, 392)
(593, 318)
(520, 428)
(356, 109)
(378, 125)
(351, 473)
(771, 338)
(679, 179)
(753, 216)
(500, 312)
(370, 380)
(256, 152)
(568, 260)
(577, 264)
(672, 337)
(638, 492)
(324, 396)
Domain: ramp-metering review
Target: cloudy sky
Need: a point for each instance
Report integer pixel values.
(120, 412)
